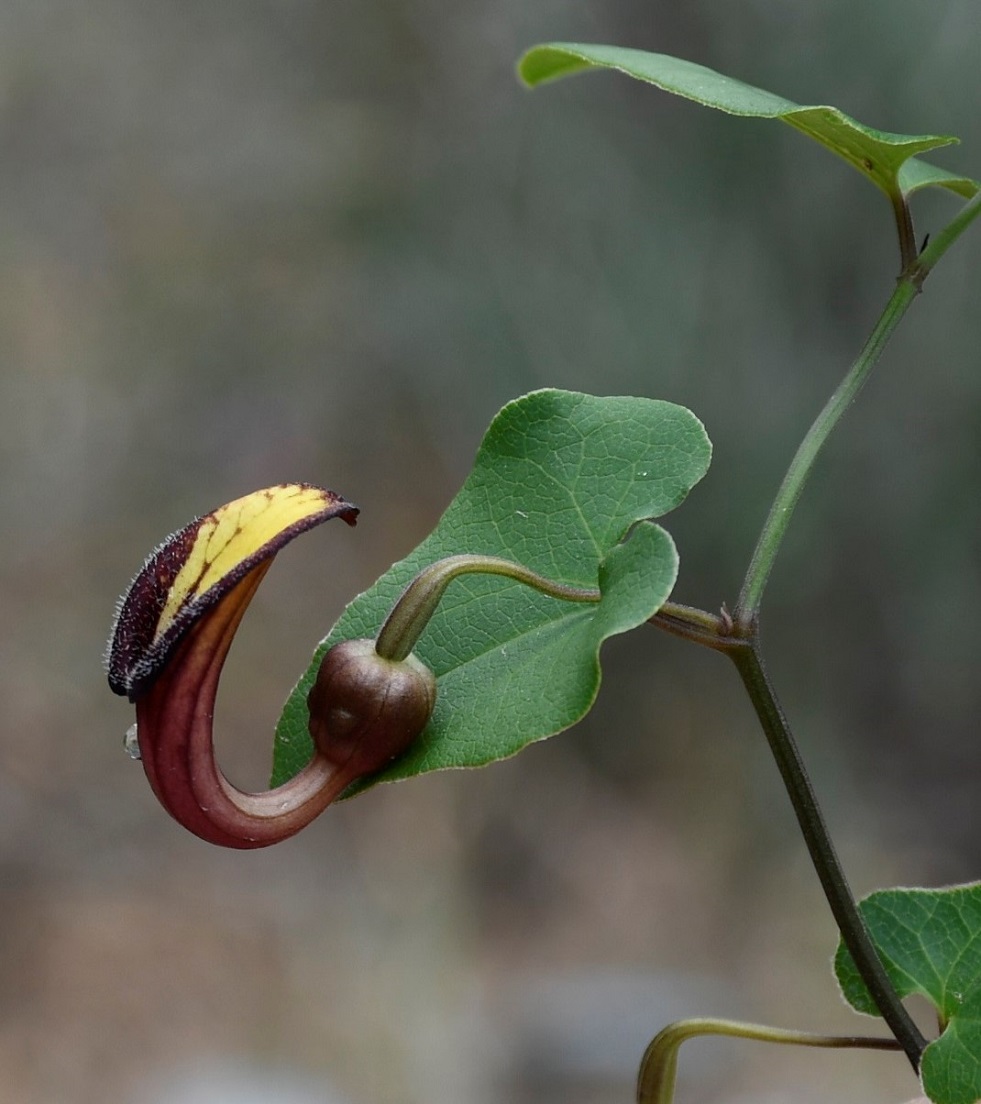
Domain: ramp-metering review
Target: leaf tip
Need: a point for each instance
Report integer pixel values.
(548, 62)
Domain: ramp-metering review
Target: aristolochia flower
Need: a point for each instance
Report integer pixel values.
(173, 629)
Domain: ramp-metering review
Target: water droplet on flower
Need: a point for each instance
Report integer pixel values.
(130, 742)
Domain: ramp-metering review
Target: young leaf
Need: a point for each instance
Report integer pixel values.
(930, 943)
(878, 155)
(558, 482)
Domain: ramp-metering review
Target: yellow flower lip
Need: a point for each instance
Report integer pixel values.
(173, 629)
(197, 566)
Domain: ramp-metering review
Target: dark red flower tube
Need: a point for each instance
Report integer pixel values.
(172, 633)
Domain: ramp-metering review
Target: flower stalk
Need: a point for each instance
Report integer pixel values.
(659, 1067)
(411, 613)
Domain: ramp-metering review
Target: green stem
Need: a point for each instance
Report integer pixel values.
(718, 633)
(659, 1067)
(854, 933)
(771, 537)
(418, 602)
(737, 635)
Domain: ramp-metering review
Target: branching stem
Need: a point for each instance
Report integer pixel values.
(737, 635)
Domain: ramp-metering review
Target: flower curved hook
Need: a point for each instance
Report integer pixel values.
(369, 702)
(172, 633)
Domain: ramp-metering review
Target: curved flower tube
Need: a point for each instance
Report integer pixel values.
(172, 633)
(174, 729)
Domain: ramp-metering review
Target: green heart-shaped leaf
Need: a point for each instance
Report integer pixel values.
(878, 155)
(558, 482)
(930, 943)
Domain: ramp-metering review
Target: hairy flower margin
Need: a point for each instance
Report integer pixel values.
(171, 635)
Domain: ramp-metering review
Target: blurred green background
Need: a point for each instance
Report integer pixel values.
(255, 242)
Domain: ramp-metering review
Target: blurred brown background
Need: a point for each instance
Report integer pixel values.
(253, 242)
